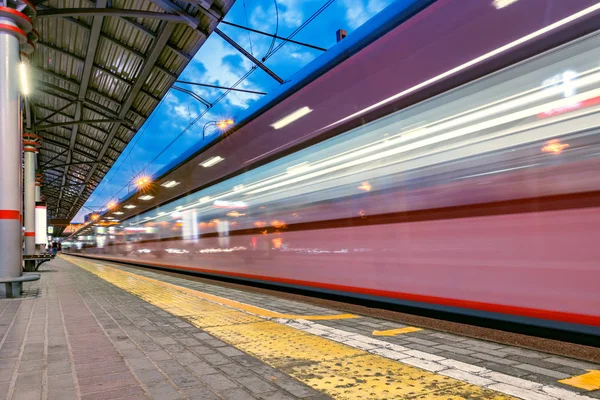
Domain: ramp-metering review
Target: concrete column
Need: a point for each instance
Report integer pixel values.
(10, 153)
(30, 145)
(38, 198)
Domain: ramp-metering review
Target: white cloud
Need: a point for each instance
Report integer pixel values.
(218, 72)
(360, 11)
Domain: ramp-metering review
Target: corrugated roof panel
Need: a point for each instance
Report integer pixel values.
(123, 47)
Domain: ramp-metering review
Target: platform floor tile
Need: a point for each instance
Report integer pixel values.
(337, 369)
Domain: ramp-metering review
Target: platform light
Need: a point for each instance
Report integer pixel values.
(24, 72)
(146, 197)
(170, 184)
(212, 161)
(143, 181)
(130, 206)
(288, 119)
(119, 212)
(224, 123)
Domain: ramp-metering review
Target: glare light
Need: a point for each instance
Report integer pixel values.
(298, 168)
(146, 197)
(288, 119)
(130, 206)
(366, 186)
(224, 123)
(230, 204)
(212, 161)
(143, 181)
(554, 146)
(95, 217)
(503, 3)
(170, 184)
(111, 205)
(24, 79)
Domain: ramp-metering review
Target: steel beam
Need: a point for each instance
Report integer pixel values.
(173, 8)
(153, 55)
(248, 55)
(125, 47)
(79, 122)
(74, 82)
(68, 164)
(58, 154)
(59, 111)
(109, 12)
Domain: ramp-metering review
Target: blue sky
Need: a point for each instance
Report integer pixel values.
(218, 63)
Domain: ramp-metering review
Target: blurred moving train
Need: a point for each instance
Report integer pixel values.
(450, 163)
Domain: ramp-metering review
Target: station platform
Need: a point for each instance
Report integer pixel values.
(96, 330)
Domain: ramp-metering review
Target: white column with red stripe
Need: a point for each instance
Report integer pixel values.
(16, 38)
(31, 144)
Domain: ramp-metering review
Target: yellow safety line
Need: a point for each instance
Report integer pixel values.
(588, 381)
(341, 371)
(240, 306)
(399, 331)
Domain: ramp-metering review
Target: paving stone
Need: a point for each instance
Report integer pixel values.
(294, 387)
(202, 350)
(216, 359)
(278, 395)
(498, 360)
(200, 392)
(124, 393)
(28, 393)
(63, 394)
(255, 384)
(6, 374)
(572, 363)
(60, 382)
(455, 350)
(460, 357)
(4, 389)
(230, 351)
(543, 371)
(234, 370)
(106, 382)
(236, 394)
(29, 379)
(219, 382)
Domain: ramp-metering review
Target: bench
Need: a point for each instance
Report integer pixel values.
(33, 262)
(13, 291)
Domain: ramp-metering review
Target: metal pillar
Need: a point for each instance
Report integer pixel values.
(30, 144)
(10, 154)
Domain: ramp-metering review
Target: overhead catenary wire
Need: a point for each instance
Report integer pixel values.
(267, 55)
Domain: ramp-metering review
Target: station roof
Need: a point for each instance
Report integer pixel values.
(99, 69)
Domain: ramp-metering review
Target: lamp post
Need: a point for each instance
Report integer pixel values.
(222, 124)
